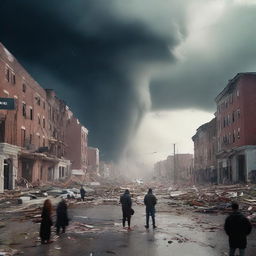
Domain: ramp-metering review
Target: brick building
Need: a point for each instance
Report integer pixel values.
(76, 140)
(236, 129)
(40, 134)
(205, 149)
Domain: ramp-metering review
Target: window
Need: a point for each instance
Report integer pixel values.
(24, 109)
(7, 74)
(231, 98)
(13, 78)
(233, 116)
(238, 133)
(23, 137)
(234, 136)
(39, 120)
(43, 142)
(37, 100)
(24, 87)
(31, 113)
(238, 113)
(30, 138)
(43, 122)
(229, 139)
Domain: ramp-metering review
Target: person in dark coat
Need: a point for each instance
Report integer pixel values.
(62, 216)
(237, 227)
(46, 222)
(82, 193)
(126, 202)
(150, 202)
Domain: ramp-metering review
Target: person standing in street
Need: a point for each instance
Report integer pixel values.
(46, 222)
(126, 202)
(82, 193)
(150, 202)
(237, 227)
(62, 216)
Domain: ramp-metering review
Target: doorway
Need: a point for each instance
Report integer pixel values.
(241, 168)
(2, 130)
(8, 174)
(27, 168)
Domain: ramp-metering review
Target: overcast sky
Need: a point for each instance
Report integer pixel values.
(139, 74)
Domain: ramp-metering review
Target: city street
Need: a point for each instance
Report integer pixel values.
(178, 233)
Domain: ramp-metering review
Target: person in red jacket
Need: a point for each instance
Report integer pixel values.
(237, 227)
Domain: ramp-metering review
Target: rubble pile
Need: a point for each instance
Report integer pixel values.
(218, 199)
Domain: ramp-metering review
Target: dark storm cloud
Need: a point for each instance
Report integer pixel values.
(224, 49)
(93, 56)
(101, 55)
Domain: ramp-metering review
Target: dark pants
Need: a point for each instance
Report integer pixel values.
(126, 217)
(150, 212)
(232, 252)
(58, 229)
(82, 197)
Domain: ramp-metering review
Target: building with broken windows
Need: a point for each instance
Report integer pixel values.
(37, 142)
(205, 149)
(236, 129)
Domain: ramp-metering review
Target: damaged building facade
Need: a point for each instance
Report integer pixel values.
(236, 130)
(36, 142)
(205, 149)
(225, 148)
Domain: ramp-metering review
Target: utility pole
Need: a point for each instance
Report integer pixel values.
(174, 165)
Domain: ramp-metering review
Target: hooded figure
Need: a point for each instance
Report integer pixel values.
(62, 217)
(126, 202)
(237, 227)
(46, 222)
(82, 192)
(150, 202)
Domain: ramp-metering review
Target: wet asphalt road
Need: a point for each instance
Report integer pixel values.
(188, 235)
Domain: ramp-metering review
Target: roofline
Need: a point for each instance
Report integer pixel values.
(230, 82)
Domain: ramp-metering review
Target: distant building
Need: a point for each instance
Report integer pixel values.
(236, 129)
(182, 164)
(160, 170)
(76, 140)
(93, 160)
(205, 149)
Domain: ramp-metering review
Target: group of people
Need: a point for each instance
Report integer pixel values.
(46, 220)
(236, 226)
(149, 201)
